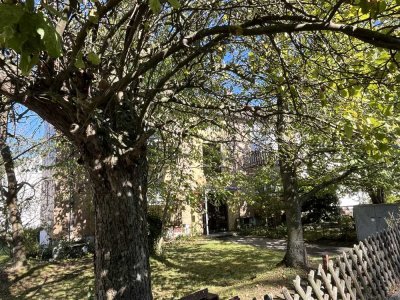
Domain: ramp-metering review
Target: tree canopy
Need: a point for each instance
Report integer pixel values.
(109, 74)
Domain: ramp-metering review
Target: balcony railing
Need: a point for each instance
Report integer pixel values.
(255, 158)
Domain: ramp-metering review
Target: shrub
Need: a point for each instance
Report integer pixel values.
(70, 249)
(154, 221)
(273, 233)
(347, 228)
(31, 242)
(4, 247)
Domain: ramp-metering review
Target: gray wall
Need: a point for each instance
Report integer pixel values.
(371, 218)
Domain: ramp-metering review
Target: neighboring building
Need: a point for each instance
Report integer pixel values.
(374, 218)
(66, 210)
(29, 197)
(212, 213)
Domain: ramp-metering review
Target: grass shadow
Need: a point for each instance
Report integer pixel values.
(70, 279)
(217, 265)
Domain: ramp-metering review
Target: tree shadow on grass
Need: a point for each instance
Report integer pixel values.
(74, 290)
(56, 280)
(193, 265)
(29, 272)
(5, 283)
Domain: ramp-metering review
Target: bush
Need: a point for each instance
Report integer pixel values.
(4, 247)
(154, 221)
(347, 228)
(278, 232)
(70, 249)
(321, 208)
(31, 242)
(342, 230)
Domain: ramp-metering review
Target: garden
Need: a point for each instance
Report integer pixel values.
(188, 265)
(131, 129)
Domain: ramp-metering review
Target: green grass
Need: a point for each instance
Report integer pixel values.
(70, 279)
(225, 268)
(4, 259)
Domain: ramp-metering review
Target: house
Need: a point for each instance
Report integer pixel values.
(209, 209)
(198, 201)
(28, 173)
(66, 208)
(202, 202)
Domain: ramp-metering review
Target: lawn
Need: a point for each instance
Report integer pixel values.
(226, 268)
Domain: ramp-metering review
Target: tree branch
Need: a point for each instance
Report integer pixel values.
(327, 183)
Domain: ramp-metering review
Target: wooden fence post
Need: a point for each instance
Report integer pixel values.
(325, 260)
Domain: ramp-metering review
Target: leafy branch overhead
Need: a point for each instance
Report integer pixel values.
(155, 5)
(28, 33)
(128, 71)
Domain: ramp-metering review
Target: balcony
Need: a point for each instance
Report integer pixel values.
(255, 159)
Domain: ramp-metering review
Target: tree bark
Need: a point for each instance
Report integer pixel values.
(14, 216)
(122, 269)
(377, 195)
(296, 255)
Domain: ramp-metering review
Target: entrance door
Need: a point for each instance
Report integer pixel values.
(217, 217)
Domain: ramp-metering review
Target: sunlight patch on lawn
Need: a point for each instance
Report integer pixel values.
(225, 268)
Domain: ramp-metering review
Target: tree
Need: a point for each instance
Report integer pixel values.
(328, 115)
(11, 195)
(116, 77)
(322, 207)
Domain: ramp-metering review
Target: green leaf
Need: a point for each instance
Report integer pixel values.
(94, 58)
(27, 61)
(379, 136)
(30, 5)
(28, 33)
(348, 130)
(388, 110)
(383, 147)
(79, 63)
(174, 3)
(322, 97)
(344, 93)
(155, 6)
(352, 91)
(365, 7)
(93, 16)
(10, 14)
(51, 39)
(374, 121)
(382, 6)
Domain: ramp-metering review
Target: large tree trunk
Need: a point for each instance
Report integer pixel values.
(296, 255)
(113, 148)
(122, 269)
(17, 232)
